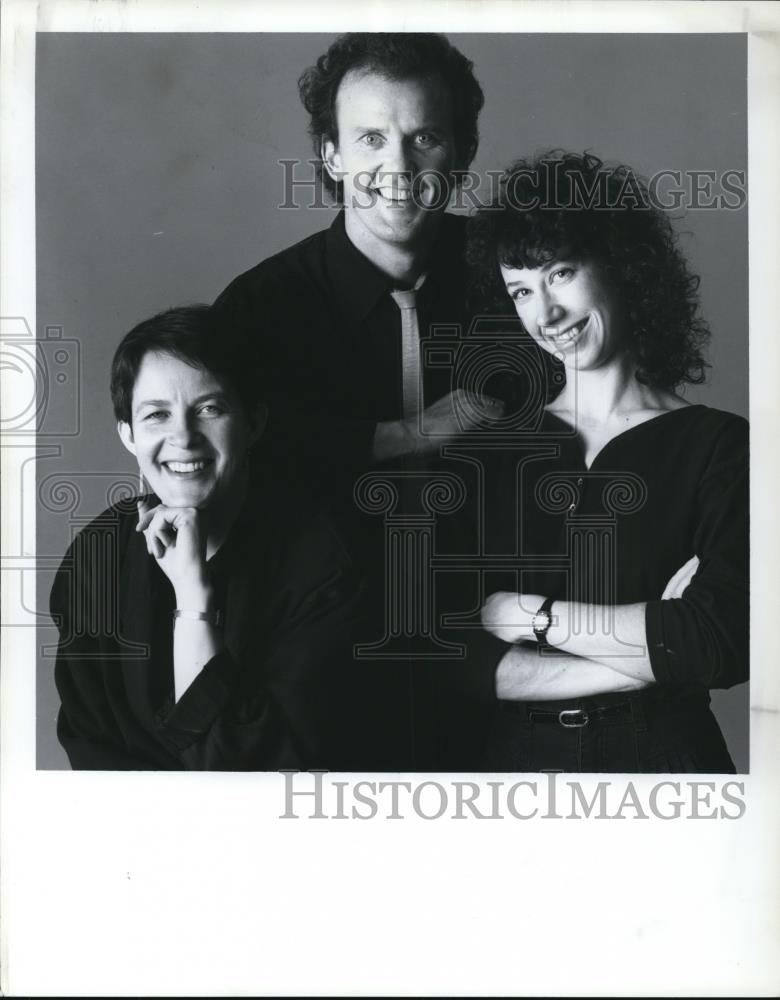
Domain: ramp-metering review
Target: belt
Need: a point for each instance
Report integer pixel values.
(569, 718)
(652, 700)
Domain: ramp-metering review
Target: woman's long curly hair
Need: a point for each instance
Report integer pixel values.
(563, 206)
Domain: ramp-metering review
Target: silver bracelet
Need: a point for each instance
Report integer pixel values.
(215, 618)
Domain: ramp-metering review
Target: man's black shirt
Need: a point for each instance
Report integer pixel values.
(326, 335)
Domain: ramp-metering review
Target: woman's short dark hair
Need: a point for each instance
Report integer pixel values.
(398, 56)
(191, 334)
(565, 206)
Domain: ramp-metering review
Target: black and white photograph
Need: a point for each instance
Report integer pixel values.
(388, 444)
(449, 472)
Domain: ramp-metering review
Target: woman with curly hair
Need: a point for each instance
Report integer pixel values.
(628, 506)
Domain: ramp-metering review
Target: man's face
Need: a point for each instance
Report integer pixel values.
(189, 433)
(394, 153)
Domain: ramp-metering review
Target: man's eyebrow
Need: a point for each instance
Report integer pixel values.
(152, 402)
(214, 394)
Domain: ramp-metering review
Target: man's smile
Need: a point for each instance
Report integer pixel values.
(391, 197)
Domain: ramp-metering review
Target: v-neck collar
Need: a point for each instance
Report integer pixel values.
(618, 438)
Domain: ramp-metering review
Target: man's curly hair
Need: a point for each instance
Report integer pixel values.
(565, 206)
(397, 56)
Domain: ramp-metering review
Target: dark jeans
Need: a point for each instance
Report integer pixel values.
(650, 732)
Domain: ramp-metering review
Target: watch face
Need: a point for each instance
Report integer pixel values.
(540, 621)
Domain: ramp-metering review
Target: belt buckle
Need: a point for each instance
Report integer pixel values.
(582, 718)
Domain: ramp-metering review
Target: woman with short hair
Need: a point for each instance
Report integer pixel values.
(206, 624)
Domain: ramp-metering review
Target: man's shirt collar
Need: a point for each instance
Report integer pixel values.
(359, 285)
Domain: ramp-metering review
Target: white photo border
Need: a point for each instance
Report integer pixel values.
(191, 884)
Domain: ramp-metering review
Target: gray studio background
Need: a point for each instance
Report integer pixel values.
(158, 181)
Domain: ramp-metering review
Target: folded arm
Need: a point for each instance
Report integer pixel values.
(594, 649)
(524, 674)
(697, 631)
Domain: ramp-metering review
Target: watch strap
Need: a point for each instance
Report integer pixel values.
(540, 631)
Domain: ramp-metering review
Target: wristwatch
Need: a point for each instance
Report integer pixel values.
(542, 620)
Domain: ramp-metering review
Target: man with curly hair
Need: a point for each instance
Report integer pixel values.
(393, 117)
(338, 319)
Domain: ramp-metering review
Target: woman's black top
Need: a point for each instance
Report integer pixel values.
(279, 695)
(655, 495)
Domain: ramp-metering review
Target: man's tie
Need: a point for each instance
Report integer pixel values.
(411, 382)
